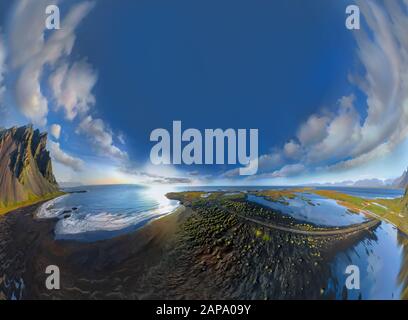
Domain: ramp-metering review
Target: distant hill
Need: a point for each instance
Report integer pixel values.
(70, 184)
(365, 183)
(25, 166)
(370, 183)
(401, 182)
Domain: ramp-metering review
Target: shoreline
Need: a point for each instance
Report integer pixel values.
(43, 213)
(194, 252)
(21, 234)
(28, 203)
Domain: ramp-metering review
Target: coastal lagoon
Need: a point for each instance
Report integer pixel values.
(312, 208)
(103, 212)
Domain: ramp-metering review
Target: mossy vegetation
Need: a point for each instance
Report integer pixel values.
(5, 208)
(390, 210)
(394, 211)
(246, 260)
(404, 203)
(277, 195)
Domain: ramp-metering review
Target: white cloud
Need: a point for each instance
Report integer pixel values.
(55, 131)
(160, 174)
(292, 149)
(65, 159)
(30, 51)
(72, 86)
(2, 67)
(101, 138)
(288, 171)
(266, 163)
(121, 138)
(374, 154)
(37, 54)
(29, 97)
(284, 172)
(314, 130)
(344, 139)
(343, 134)
(384, 57)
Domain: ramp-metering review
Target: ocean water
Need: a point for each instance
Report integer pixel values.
(107, 211)
(104, 212)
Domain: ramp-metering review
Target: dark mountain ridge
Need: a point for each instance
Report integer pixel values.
(25, 166)
(402, 181)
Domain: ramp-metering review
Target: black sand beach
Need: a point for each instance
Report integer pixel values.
(201, 251)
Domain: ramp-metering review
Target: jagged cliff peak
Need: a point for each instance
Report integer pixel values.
(25, 165)
(402, 181)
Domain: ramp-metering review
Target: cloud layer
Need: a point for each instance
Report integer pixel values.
(72, 88)
(41, 63)
(55, 131)
(63, 158)
(31, 52)
(344, 139)
(101, 137)
(2, 67)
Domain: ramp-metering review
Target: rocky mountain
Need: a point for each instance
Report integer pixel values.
(25, 166)
(401, 182)
(364, 183)
(371, 183)
(405, 202)
(64, 184)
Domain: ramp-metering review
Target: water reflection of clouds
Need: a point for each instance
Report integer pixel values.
(313, 209)
(379, 257)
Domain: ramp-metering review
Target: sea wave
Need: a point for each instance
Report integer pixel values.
(48, 209)
(86, 226)
(105, 221)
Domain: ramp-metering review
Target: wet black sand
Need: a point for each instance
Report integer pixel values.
(201, 251)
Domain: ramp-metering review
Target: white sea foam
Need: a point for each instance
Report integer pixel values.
(83, 223)
(48, 210)
(81, 217)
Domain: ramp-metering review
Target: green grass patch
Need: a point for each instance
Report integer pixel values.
(390, 210)
(32, 200)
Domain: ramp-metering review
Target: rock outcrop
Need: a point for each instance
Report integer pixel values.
(401, 182)
(25, 166)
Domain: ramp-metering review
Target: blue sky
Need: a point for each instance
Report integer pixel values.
(330, 103)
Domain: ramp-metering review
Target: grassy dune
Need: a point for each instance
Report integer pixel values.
(31, 201)
(389, 210)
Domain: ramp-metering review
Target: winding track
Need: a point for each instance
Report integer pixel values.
(372, 223)
(334, 232)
